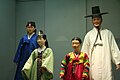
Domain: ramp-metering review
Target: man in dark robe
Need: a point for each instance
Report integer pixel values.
(26, 45)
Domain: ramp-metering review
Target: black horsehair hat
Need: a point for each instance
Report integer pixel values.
(96, 12)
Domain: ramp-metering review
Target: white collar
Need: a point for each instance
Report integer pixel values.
(41, 49)
(96, 31)
(29, 36)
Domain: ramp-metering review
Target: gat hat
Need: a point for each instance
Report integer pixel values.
(31, 24)
(96, 12)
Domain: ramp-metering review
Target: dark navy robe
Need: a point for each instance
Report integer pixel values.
(25, 48)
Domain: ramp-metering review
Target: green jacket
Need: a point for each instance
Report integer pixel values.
(29, 71)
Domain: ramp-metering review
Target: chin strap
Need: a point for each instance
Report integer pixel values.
(99, 34)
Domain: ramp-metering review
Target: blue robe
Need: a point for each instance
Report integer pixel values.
(25, 48)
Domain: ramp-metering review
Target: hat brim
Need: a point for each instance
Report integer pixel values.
(99, 14)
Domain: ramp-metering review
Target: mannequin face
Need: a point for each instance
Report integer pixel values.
(30, 29)
(41, 41)
(75, 44)
(96, 22)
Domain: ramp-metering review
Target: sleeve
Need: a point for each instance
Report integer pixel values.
(34, 41)
(64, 66)
(86, 45)
(114, 50)
(26, 70)
(47, 63)
(18, 52)
(86, 67)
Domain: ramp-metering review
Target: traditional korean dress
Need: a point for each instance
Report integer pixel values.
(101, 53)
(25, 48)
(30, 69)
(75, 67)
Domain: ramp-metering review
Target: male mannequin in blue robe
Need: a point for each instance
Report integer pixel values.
(26, 45)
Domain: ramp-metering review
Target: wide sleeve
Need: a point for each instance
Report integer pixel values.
(47, 63)
(86, 67)
(34, 41)
(64, 66)
(114, 50)
(18, 52)
(86, 45)
(26, 70)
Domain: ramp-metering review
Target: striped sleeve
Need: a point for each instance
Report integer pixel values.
(87, 66)
(63, 66)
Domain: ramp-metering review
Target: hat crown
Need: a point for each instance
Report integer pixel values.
(40, 33)
(95, 10)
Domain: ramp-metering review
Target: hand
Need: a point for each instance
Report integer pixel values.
(92, 79)
(61, 78)
(43, 69)
(84, 79)
(117, 66)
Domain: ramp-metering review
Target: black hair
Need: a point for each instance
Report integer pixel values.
(32, 24)
(46, 43)
(77, 38)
